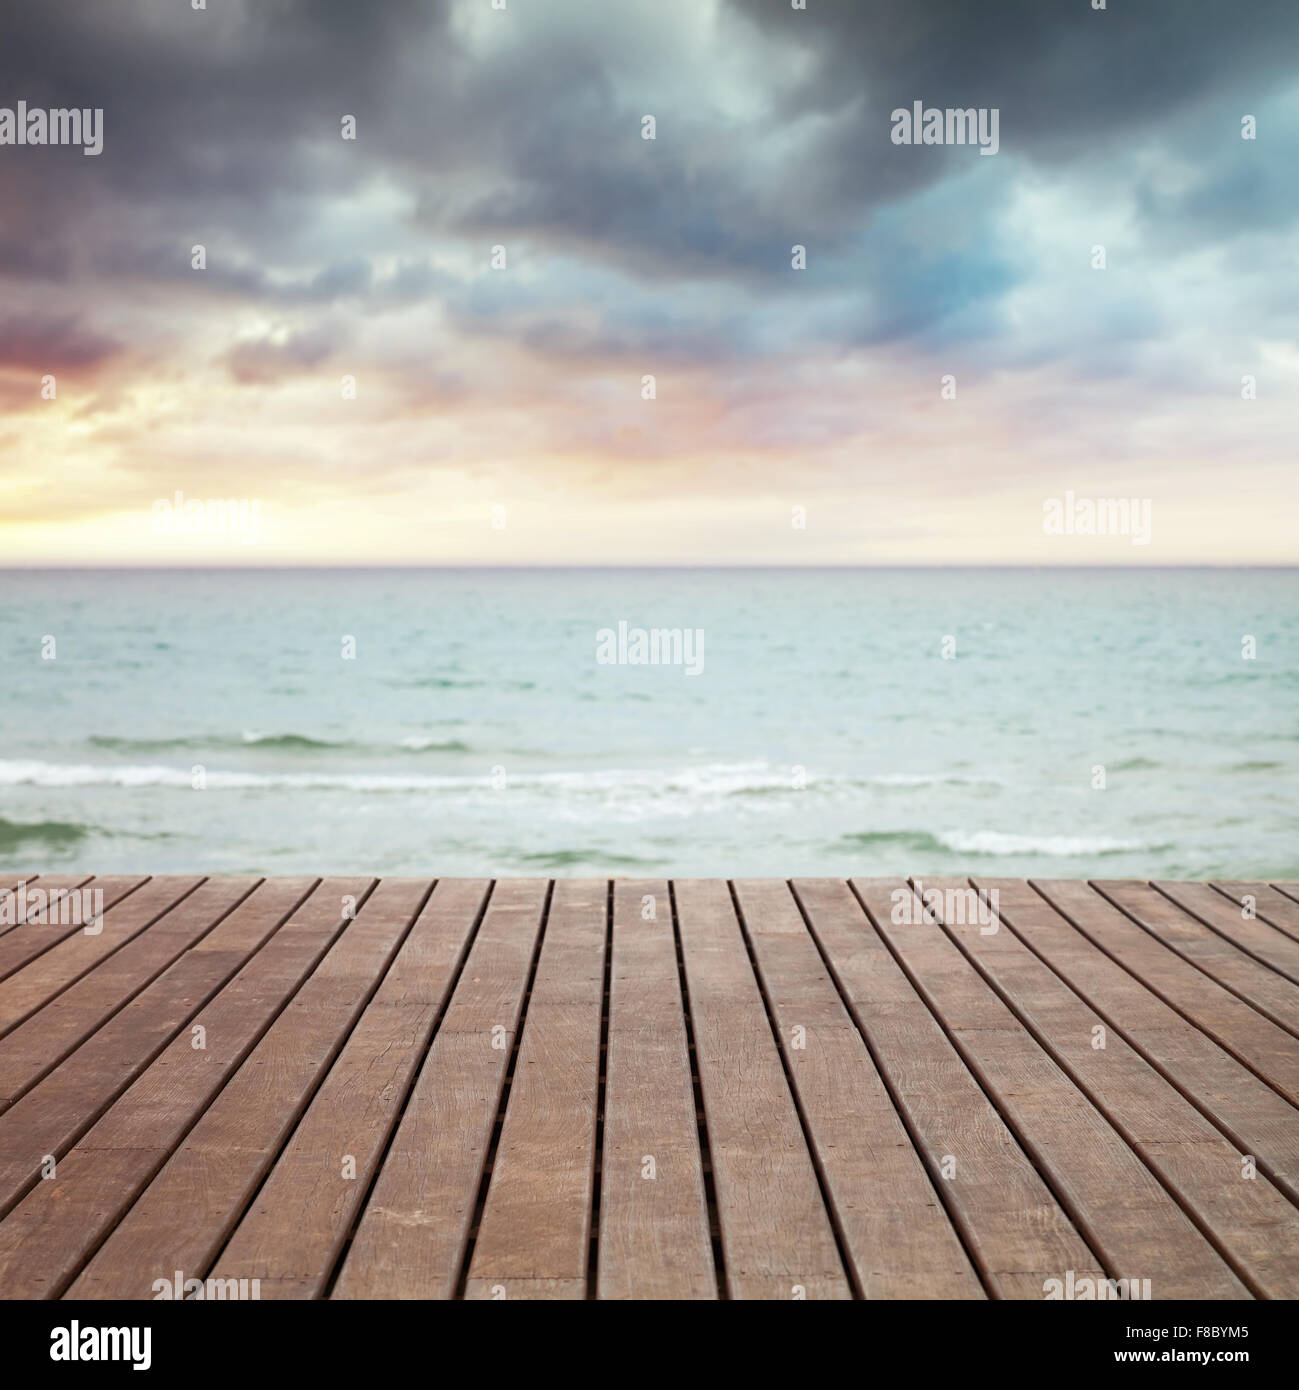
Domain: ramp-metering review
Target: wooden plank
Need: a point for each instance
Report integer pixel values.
(531, 1290)
(50, 1118)
(1270, 903)
(50, 1234)
(216, 1168)
(1067, 924)
(413, 1232)
(201, 1076)
(1129, 1218)
(10, 883)
(1015, 1229)
(1251, 1224)
(654, 1239)
(292, 1234)
(1229, 1020)
(23, 943)
(80, 951)
(1271, 994)
(535, 1231)
(777, 1239)
(1252, 934)
(894, 1227)
(1246, 1030)
(40, 1043)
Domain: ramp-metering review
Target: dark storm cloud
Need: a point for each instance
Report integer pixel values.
(222, 118)
(221, 127)
(209, 102)
(1070, 83)
(1064, 75)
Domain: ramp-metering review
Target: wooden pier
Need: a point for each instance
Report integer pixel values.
(352, 1088)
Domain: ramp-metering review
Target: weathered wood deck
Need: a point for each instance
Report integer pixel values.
(628, 1090)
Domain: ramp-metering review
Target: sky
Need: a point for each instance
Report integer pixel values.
(433, 343)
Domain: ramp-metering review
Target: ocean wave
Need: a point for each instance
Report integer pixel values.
(471, 683)
(42, 774)
(417, 743)
(251, 738)
(569, 858)
(712, 780)
(780, 783)
(920, 841)
(288, 742)
(932, 779)
(140, 745)
(1286, 677)
(440, 683)
(720, 779)
(412, 743)
(995, 843)
(47, 832)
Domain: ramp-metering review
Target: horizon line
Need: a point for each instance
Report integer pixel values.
(660, 566)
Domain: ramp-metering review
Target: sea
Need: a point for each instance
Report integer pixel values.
(1053, 723)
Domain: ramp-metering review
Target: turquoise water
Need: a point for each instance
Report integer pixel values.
(475, 732)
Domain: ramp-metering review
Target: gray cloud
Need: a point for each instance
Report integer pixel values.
(222, 127)
(267, 361)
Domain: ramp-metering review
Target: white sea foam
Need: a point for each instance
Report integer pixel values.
(717, 779)
(710, 779)
(933, 779)
(42, 774)
(994, 842)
